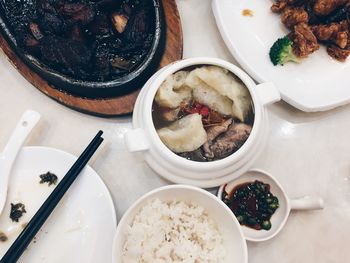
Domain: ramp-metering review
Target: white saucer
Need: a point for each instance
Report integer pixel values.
(81, 228)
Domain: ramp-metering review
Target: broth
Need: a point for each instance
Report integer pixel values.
(196, 126)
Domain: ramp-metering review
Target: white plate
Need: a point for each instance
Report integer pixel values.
(318, 83)
(82, 226)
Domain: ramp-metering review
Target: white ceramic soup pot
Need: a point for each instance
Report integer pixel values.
(144, 138)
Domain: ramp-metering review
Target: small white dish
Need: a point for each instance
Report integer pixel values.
(82, 226)
(279, 218)
(144, 138)
(318, 83)
(233, 240)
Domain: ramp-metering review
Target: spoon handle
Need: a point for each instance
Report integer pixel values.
(307, 203)
(24, 126)
(27, 122)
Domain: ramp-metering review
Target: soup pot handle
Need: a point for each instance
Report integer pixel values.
(136, 140)
(268, 93)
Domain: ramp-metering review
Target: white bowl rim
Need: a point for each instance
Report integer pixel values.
(220, 203)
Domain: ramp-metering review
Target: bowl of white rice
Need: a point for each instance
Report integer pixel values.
(179, 223)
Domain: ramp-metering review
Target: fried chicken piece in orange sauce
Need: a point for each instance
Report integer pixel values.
(304, 41)
(338, 53)
(336, 33)
(325, 7)
(279, 6)
(292, 16)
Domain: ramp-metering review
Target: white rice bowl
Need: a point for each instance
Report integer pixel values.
(179, 224)
(173, 232)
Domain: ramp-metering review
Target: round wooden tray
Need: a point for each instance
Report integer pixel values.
(109, 107)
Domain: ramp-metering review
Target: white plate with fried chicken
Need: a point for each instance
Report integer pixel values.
(319, 40)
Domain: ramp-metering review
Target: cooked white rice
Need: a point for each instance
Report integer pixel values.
(173, 232)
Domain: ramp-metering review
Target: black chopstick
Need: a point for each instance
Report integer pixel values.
(28, 233)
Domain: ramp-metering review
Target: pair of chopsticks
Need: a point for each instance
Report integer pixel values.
(28, 233)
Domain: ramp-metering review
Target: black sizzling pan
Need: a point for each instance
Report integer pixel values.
(93, 89)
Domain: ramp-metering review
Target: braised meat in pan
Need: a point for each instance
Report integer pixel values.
(93, 40)
(312, 22)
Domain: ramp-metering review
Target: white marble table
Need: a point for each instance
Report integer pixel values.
(307, 153)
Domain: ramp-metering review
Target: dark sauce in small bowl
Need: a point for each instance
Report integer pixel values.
(252, 203)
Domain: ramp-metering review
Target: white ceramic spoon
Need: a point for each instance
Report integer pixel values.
(279, 218)
(27, 122)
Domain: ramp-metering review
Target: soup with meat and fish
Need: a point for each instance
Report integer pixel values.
(203, 113)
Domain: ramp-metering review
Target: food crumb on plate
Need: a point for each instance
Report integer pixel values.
(247, 12)
(49, 178)
(3, 237)
(17, 211)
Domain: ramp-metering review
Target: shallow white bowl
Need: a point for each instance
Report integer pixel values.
(144, 137)
(234, 242)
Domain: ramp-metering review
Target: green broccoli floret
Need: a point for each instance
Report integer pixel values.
(282, 52)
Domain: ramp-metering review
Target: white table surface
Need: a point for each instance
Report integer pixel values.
(307, 153)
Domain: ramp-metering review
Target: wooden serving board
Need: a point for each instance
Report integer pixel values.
(109, 107)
